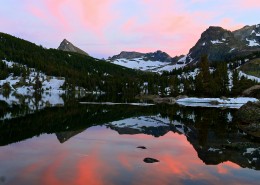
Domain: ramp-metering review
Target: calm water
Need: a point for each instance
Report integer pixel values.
(97, 144)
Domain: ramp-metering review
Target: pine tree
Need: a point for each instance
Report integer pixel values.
(202, 83)
(38, 83)
(235, 79)
(221, 79)
(199, 84)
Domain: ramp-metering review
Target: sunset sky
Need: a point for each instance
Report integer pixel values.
(106, 27)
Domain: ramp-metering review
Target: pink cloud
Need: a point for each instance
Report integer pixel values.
(168, 28)
(249, 4)
(172, 26)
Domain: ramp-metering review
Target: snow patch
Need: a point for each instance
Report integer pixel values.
(213, 149)
(206, 102)
(250, 77)
(232, 50)
(250, 151)
(112, 103)
(252, 43)
(216, 42)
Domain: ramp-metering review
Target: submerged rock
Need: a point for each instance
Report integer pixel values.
(215, 102)
(151, 160)
(249, 118)
(142, 147)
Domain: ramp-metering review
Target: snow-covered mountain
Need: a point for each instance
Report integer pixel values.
(154, 62)
(218, 43)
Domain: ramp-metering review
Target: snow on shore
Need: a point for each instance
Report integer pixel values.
(216, 102)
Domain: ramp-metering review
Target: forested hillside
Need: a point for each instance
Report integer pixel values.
(219, 79)
(79, 70)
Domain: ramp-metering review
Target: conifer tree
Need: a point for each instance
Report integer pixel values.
(203, 78)
(235, 79)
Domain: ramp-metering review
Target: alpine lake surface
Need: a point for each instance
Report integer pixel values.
(69, 140)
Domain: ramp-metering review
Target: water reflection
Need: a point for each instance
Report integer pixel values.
(97, 144)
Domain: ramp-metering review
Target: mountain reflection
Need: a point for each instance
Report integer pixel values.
(210, 131)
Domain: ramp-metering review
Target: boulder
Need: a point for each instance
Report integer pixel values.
(214, 102)
(151, 160)
(181, 97)
(252, 92)
(168, 100)
(249, 118)
(224, 98)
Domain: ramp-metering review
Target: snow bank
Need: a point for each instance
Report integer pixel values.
(207, 102)
(250, 77)
(111, 103)
(148, 65)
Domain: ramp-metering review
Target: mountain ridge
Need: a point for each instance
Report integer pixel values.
(221, 44)
(217, 43)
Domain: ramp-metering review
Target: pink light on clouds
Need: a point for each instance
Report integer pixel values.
(254, 4)
(110, 26)
(167, 28)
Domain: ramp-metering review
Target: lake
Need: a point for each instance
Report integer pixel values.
(105, 143)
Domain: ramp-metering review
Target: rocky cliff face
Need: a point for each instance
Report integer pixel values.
(68, 46)
(222, 45)
(250, 35)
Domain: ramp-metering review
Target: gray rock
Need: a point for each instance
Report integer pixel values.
(224, 98)
(249, 118)
(181, 97)
(252, 92)
(214, 102)
(67, 46)
(168, 100)
(154, 56)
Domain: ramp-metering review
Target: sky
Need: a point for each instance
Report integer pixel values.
(106, 27)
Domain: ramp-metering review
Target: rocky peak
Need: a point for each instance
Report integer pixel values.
(214, 32)
(214, 42)
(222, 45)
(65, 45)
(158, 56)
(127, 55)
(153, 56)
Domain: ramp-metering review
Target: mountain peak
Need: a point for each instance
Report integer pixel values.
(65, 45)
(65, 41)
(222, 45)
